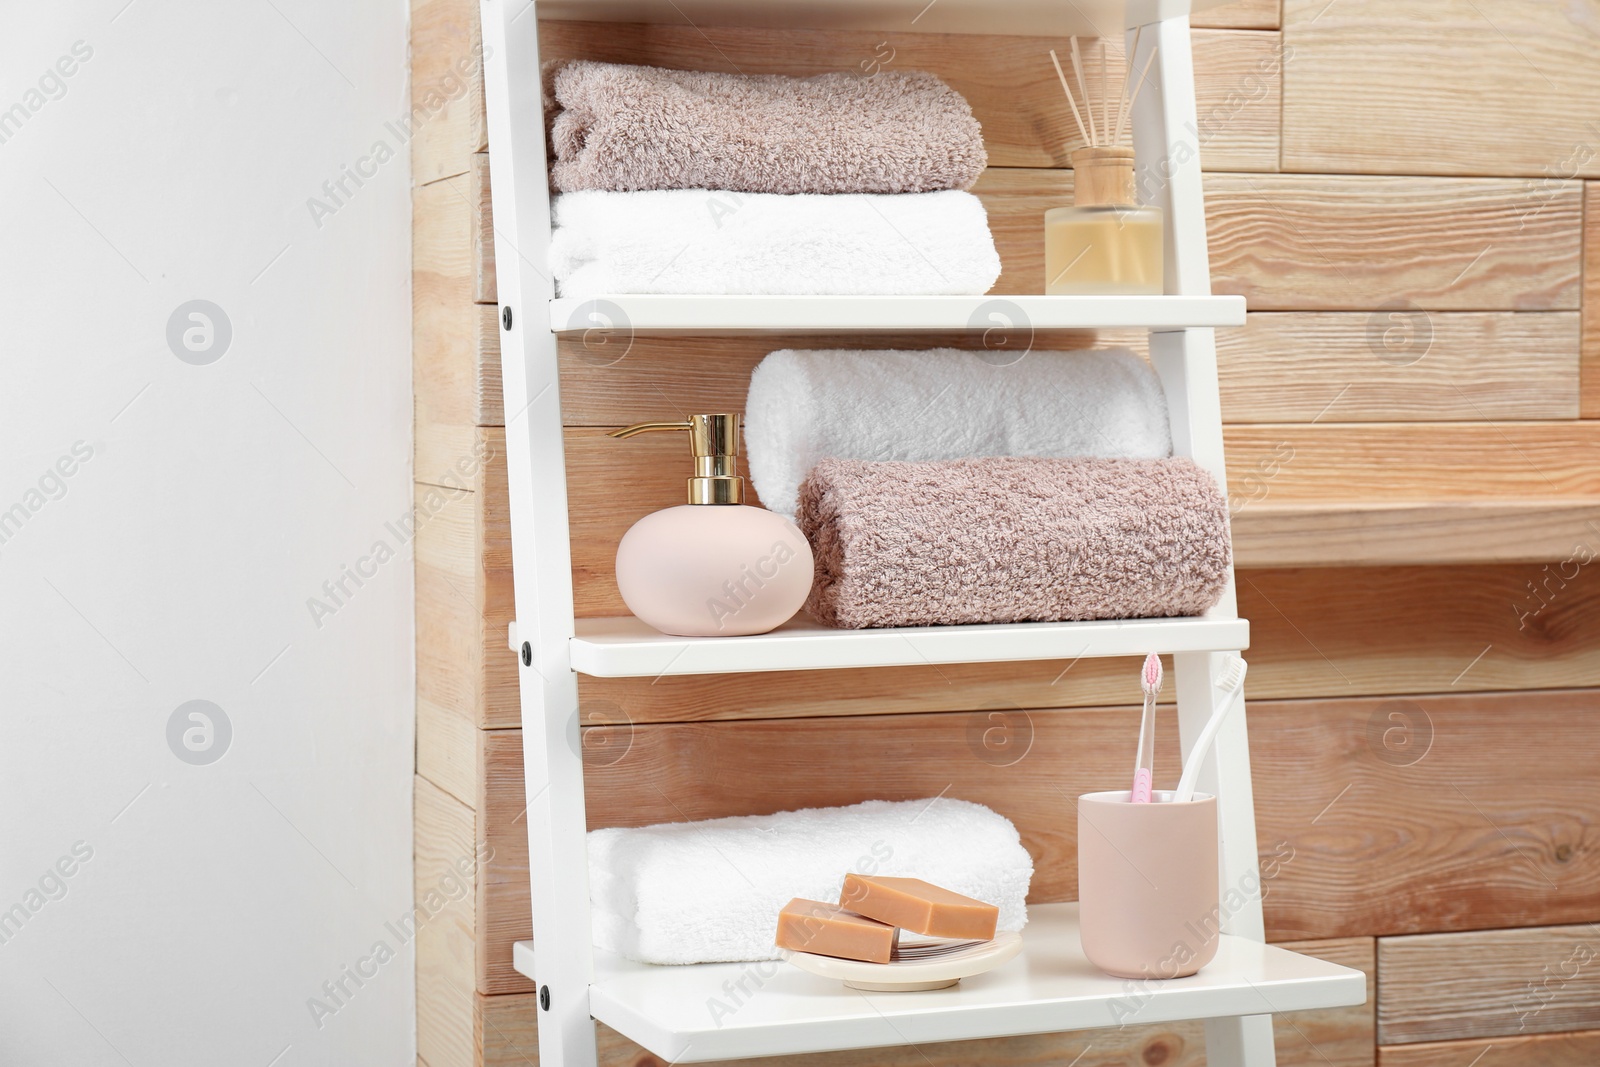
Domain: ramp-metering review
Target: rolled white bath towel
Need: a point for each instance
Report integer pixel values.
(707, 892)
(807, 406)
(711, 242)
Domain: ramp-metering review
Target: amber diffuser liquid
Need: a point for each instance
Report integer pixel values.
(1105, 244)
(1103, 251)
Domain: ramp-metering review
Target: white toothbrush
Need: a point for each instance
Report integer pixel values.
(1230, 685)
(1144, 765)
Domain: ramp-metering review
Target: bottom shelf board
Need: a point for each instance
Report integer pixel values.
(723, 1011)
(627, 648)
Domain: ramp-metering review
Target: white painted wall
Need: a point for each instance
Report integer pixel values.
(206, 503)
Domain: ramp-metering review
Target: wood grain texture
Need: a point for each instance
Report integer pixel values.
(618, 381)
(447, 749)
(1361, 826)
(1294, 242)
(1283, 241)
(447, 367)
(438, 446)
(465, 600)
(1314, 631)
(445, 943)
(447, 111)
(1452, 813)
(1340, 1037)
(1016, 201)
(1336, 366)
(1442, 87)
(1240, 15)
(1494, 983)
(1282, 367)
(1343, 1037)
(1578, 1049)
(1591, 301)
(505, 905)
(451, 637)
(1414, 534)
(486, 349)
(1290, 242)
(480, 196)
(1405, 462)
(1008, 80)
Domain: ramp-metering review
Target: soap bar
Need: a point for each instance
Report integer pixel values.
(829, 930)
(918, 906)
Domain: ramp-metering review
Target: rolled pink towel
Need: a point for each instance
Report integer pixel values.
(1012, 540)
(626, 128)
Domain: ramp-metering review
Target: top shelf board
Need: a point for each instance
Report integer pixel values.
(1028, 18)
(1015, 316)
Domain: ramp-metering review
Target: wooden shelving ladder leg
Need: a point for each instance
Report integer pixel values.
(542, 563)
(1164, 131)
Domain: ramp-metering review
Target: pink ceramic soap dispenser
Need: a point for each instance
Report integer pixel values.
(713, 567)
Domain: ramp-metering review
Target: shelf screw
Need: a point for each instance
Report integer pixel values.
(505, 317)
(527, 654)
(544, 998)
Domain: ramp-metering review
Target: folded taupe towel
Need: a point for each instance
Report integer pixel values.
(1012, 540)
(627, 128)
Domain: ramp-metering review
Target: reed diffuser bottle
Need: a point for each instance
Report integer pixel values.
(1106, 243)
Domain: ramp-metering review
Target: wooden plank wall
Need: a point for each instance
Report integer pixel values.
(1408, 193)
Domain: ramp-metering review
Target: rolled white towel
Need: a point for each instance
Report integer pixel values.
(707, 892)
(708, 241)
(806, 406)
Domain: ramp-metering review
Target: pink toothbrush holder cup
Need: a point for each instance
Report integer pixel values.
(1148, 902)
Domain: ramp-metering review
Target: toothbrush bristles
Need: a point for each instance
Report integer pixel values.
(1150, 677)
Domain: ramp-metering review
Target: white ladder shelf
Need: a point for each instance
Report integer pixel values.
(671, 1011)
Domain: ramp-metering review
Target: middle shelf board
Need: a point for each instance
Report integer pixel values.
(627, 648)
(722, 1011)
(1016, 316)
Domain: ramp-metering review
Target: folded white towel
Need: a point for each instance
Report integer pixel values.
(806, 406)
(706, 892)
(708, 241)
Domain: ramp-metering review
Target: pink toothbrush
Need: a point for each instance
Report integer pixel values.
(1144, 767)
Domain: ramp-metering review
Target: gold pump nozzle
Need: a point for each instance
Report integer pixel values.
(714, 440)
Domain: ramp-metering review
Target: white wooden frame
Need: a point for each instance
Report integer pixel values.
(1185, 358)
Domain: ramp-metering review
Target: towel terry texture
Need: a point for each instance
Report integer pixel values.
(1012, 540)
(718, 242)
(706, 892)
(627, 128)
(807, 406)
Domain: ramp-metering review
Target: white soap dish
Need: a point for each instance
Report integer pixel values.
(916, 965)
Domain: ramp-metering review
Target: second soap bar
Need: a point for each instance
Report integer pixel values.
(918, 906)
(829, 930)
